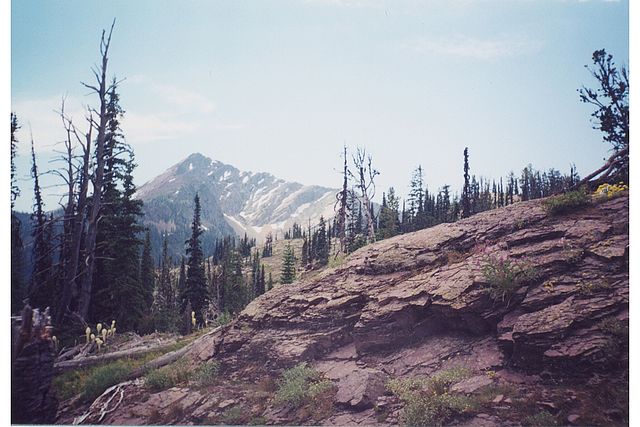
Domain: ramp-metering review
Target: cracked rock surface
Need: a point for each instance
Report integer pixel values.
(417, 304)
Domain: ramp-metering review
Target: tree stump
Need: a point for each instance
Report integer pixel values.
(33, 352)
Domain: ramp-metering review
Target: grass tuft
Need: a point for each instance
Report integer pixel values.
(428, 401)
(206, 374)
(567, 202)
(505, 276)
(168, 376)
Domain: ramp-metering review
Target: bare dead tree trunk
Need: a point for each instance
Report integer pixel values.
(68, 222)
(92, 222)
(76, 221)
(364, 178)
(617, 159)
(341, 205)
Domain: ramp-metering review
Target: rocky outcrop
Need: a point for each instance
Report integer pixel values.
(421, 303)
(403, 290)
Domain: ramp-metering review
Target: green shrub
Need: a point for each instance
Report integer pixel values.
(76, 381)
(104, 377)
(541, 419)
(158, 379)
(234, 415)
(168, 376)
(566, 202)
(223, 319)
(505, 276)
(428, 401)
(206, 374)
(301, 384)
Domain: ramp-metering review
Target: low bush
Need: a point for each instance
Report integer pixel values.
(428, 401)
(300, 385)
(566, 202)
(541, 419)
(104, 377)
(206, 374)
(222, 319)
(234, 415)
(168, 376)
(92, 381)
(158, 379)
(505, 276)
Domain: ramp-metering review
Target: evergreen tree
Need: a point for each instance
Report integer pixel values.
(382, 217)
(196, 283)
(236, 295)
(389, 224)
(446, 204)
(17, 286)
(15, 190)
(116, 291)
(416, 200)
(267, 250)
(322, 243)
(288, 274)
(305, 252)
(182, 280)
(405, 223)
(466, 190)
(270, 283)
(147, 281)
(262, 282)
(41, 292)
(255, 276)
(166, 307)
(611, 115)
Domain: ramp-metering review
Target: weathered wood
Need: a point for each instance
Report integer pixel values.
(159, 362)
(616, 159)
(32, 400)
(83, 362)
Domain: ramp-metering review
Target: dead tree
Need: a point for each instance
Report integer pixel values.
(341, 207)
(77, 176)
(99, 125)
(606, 172)
(364, 181)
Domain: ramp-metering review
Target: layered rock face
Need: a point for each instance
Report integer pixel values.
(430, 285)
(424, 302)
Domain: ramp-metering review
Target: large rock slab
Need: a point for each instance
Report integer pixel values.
(360, 388)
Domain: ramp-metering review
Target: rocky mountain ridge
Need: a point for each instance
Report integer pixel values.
(233, 201)
(424, 305)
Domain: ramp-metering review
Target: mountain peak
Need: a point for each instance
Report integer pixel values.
(253, 203)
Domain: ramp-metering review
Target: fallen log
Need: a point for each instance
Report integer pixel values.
(619, 158)
(168, 358)
(83, 362)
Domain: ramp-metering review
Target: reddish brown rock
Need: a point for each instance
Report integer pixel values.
(418, 303)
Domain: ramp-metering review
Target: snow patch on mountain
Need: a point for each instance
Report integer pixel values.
(257, 203)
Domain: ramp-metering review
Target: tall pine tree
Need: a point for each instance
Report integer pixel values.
(17, 284)
(117, 292)
(322, 243)
(41, 291)
(288, 274)
(196, 282)
(466, 190)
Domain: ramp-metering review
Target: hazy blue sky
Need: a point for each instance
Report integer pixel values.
(279, 86)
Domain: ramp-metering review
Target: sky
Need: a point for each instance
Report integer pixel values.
(279, 86)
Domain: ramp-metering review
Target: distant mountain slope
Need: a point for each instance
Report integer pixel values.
(233, 202)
